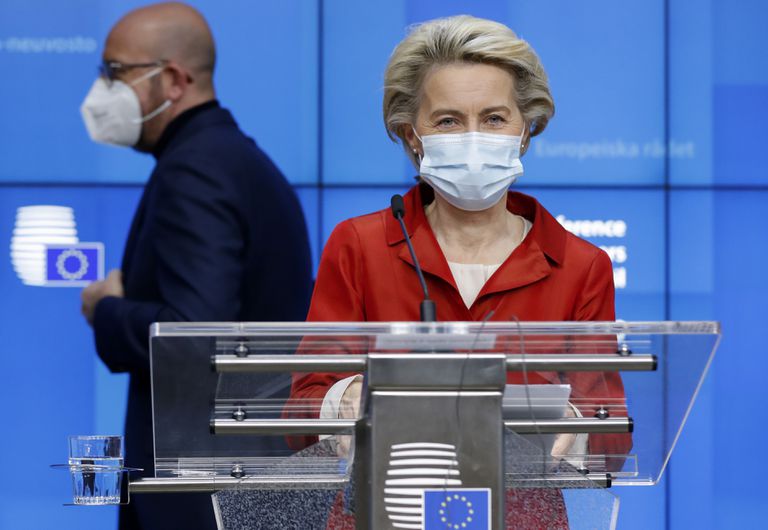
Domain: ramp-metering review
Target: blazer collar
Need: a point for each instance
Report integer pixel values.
(188, 123)
(528, 263)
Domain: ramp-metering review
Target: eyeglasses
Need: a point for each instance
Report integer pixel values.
(110, 70)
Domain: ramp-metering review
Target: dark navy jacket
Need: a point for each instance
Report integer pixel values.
(219, 235)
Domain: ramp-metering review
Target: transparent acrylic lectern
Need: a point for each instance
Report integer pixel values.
(461, 425)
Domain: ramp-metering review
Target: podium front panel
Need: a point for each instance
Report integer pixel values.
(587, 405)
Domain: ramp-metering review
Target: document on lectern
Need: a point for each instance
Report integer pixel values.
(540, 402)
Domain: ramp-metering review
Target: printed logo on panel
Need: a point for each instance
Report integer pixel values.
(46, 252)
(420, 477)
(457, 509)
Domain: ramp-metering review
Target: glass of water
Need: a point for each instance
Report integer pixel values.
(96, 464)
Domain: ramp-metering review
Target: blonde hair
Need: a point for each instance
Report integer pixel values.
(462, 39)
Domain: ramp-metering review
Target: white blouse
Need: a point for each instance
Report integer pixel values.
(471, 277)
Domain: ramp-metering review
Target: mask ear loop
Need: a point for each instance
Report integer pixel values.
(416, 153)
(158, 110)
(162, 107)
(418, 156)
(151, 73)
(522, 137)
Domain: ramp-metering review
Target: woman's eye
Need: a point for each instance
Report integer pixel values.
(495, 120)
(446, 122)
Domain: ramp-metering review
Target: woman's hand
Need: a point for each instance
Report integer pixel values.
(564, 441)
(349, 408)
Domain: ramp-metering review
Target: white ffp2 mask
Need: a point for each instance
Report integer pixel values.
(112, 113)
(472, 171)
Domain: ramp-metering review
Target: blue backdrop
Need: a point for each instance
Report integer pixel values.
(660, 123)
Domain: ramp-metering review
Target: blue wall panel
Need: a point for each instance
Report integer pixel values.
(49, 54)
(740, 134)
(268, 75)
(341, 204)
(49, 380)
(718, 79)
(640, 252)
(717, 273)
(741, 305)
(692, 277)
(357, 41)
(596, 137)
(690, 92)
(605, 64)
(50, 51)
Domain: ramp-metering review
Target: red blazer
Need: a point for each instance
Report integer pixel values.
(366, 274)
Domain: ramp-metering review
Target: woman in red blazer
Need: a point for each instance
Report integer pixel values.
(465, 95)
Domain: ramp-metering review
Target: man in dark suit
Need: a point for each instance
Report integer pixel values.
(218, 235)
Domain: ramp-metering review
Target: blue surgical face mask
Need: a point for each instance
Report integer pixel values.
(472, 171)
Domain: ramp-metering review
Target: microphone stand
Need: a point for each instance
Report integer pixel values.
(427, 310)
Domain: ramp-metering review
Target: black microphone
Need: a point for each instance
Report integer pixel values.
(427, 310)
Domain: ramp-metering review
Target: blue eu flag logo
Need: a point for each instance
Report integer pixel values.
(78, 264)
(457, 509)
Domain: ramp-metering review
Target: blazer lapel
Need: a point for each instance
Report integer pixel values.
(532, 260)
(424, 243)
(429, 254)
(526, 265)
(529, 263)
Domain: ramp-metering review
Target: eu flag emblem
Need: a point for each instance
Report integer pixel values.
(78, 264)
(457, 509)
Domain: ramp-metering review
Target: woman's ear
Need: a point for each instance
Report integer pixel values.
(525, 142)
(414, 144)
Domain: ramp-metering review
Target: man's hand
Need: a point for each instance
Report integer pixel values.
(112, 285)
